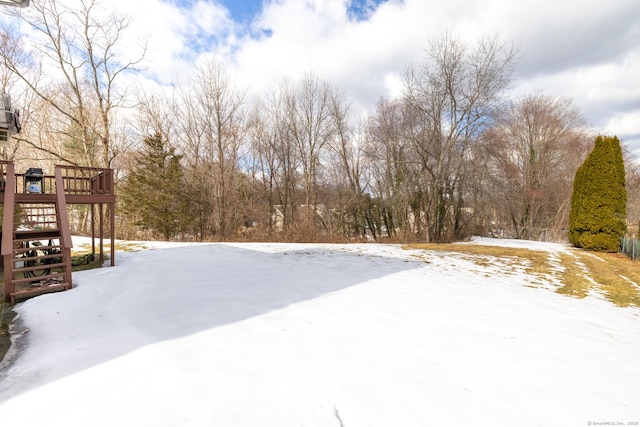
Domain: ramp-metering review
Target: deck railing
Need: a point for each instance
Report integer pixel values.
(76, 180)
(90, 181)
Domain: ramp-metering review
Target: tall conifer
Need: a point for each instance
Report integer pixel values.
(153, 193)
(599, 201)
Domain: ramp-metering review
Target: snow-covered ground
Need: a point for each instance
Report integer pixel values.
(264, 334)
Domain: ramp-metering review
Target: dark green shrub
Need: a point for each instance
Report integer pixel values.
(599, 201)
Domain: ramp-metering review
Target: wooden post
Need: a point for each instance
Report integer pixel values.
(93, 228)
(63, 219)
(112, 214)
(101, 225)
(7, 230)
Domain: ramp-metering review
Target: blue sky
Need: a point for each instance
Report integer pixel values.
(568, 48)
(243, 11)
(573, 49)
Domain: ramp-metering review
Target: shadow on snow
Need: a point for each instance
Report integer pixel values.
(114, 311)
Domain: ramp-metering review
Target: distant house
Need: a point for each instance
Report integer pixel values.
(278, 216)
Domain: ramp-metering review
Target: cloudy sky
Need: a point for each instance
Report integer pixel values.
(583, 49)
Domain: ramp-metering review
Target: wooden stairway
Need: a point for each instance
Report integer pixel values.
(36, 241)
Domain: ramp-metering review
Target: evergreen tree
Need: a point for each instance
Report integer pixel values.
(152, 194)
(599, 201)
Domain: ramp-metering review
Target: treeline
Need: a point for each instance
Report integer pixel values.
(454, 155)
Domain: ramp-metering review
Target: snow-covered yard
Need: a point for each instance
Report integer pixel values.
(260, 334)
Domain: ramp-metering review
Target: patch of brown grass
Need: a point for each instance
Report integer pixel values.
(616, 275)
(534, 262)
(573, 277)
(578, 272)
(120, 246)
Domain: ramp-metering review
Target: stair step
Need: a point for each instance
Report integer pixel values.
(40, 267)
(22, 250)
(26, 235)
(40, 217)
(42, 278)
(42, 225)
(39, 290)
(24, 260)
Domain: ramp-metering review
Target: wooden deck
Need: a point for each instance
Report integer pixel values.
(33, 214)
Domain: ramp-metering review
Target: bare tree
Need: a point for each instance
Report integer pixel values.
(31, 107)
(278, 155)
(294, 127)
(275, 162)
(632, 169)
(347, 168)
(310, 126)
(211, 124)
(395, 173)
(532, 155)
(450, 99)
(155, 114)
(79, 47)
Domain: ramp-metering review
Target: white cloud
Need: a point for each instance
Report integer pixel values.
(587, 51)
(557, 39)
(570, 48)
(603, 91)
(625, 126)
(177, 36)
(354, 55)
